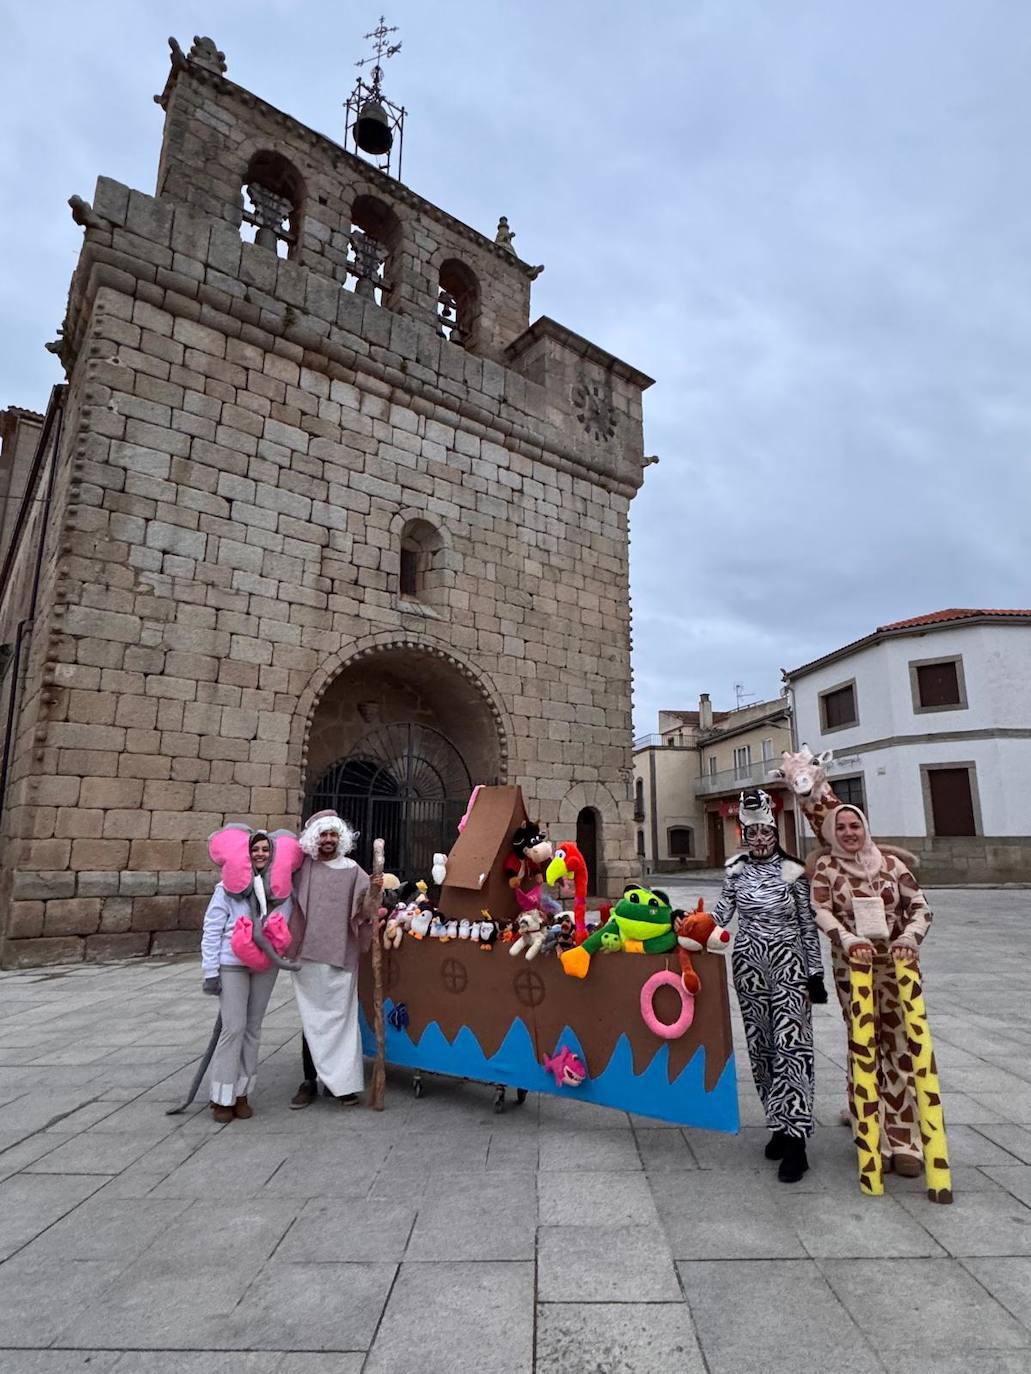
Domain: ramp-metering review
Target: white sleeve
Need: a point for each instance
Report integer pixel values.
(215, 920)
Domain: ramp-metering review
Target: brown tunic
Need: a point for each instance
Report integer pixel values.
(333, 926)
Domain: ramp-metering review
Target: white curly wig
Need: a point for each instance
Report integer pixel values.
(326, 820)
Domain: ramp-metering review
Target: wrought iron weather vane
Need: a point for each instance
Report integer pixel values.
(372, 119)
(383, 49)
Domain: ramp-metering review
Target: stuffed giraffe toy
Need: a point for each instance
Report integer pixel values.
(805, 773)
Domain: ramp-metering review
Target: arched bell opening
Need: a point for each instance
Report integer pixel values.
(273, 197)
(397, 742)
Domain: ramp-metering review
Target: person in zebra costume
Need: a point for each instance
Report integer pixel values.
(778, 974)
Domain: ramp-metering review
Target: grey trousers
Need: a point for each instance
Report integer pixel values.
(241, 1003)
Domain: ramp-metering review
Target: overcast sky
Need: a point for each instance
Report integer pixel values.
(808, 220)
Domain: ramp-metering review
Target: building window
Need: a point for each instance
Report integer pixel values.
(409, 571)
(419, 561)
(712, 765)
(838, 707)
(850, 792)
(458, 304)
(742, 761)
(950, 793)
(937, 685)
(640, 844)
(681, 841)
(767, 751)
(639, 800)
(272, 196)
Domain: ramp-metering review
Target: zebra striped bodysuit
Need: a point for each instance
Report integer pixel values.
(776, 948)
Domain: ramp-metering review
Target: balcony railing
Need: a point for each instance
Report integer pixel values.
(745, 775)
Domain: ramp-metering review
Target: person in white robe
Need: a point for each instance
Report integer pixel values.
(335, 906)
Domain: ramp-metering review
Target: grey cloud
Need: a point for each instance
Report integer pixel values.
(809, 222)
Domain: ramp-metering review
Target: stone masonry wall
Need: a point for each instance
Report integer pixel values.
(240, 440)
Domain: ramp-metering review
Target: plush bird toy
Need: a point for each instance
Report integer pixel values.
(570, 863)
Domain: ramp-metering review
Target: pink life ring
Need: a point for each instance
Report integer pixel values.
(674, 1029)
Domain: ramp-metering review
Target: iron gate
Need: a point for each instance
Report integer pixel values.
(405, 783)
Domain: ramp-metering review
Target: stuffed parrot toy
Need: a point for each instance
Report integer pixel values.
(570, 863)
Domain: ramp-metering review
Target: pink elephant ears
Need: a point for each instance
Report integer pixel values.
(287, 857)
(228, 849)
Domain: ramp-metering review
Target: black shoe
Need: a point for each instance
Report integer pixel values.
(775, 1145)
(304, 1096)
(794, 1163)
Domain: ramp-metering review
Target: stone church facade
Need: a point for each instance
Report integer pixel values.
(318, 517)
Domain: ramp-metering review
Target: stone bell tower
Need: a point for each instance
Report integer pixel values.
(319, 516)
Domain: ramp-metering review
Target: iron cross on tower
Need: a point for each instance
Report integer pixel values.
(383, 49)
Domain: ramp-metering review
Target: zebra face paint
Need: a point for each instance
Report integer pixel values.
(761, 841)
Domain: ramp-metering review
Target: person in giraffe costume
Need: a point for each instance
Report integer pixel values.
(870, 906)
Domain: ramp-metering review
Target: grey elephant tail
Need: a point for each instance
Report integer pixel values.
(198, 1077)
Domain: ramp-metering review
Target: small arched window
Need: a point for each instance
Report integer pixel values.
(374, 251)
(419, 562)
(681, 842)
(639, 800)
(458, 304)
(273, 193)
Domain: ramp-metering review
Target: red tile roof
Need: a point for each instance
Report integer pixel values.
(940, 617)
(916, 622)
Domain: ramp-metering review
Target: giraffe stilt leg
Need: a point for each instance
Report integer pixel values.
(862, 1048)
(928, 1090)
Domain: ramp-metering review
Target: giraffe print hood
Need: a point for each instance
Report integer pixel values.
(868, 862)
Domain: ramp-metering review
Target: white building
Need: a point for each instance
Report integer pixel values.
(930, 723)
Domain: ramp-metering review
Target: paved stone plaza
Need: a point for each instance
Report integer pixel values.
(438, 1236)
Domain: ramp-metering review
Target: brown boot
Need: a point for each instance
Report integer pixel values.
(223, 1115)
(906, 1166)
(242, 1109)
(304, 1096)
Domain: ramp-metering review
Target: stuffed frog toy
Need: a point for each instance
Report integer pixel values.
(641, 923)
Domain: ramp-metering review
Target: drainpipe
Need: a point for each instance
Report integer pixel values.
(652, 808)
(52, 423)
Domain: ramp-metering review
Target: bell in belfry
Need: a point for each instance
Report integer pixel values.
(372, 130)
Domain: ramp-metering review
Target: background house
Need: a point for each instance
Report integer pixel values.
(688, 777)
(930, 723)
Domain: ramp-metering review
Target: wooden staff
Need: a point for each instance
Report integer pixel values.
(378, 1085)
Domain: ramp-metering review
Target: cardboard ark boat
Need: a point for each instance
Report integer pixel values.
(485, 1015)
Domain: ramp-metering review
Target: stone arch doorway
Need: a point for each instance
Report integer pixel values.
(397, 741)
(587, 843)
